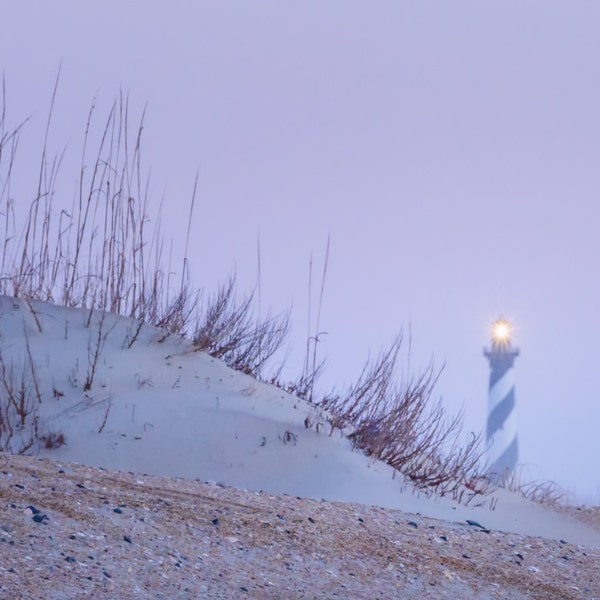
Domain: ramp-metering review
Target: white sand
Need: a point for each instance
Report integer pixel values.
(175, 412)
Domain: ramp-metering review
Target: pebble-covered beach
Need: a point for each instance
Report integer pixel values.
(69, 531)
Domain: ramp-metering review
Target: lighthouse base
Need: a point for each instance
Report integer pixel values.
(503, 466)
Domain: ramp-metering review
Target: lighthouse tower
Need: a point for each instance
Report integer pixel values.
(503, 447)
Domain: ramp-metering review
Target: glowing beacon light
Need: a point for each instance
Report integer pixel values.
(503, 445)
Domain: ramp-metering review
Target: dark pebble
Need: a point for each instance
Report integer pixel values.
(40, 518)
(361, 520)
(127, 539)
(443, 537)
(70, 559)
(117, 510)
(466, 556)
(107, 574)
(311, 520)
(519, 555)
(563, 542)
(215, 521)
(413, 524)
(281, 518)
(81, 486)
(33, 509)
(18, 485)
(244, 589)
(476, 524)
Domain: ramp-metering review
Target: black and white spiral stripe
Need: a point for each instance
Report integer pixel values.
(503, 444)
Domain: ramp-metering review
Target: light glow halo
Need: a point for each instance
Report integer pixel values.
(501, 331)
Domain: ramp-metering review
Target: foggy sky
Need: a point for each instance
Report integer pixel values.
(451, 149)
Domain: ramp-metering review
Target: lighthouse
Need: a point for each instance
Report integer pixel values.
(502, 441)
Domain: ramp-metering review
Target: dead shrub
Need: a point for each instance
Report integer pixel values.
(400, 424)
(227, 329)
(51, 441)
(545, 492)
(19, 421)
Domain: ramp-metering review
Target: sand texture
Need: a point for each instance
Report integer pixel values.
(70, 531)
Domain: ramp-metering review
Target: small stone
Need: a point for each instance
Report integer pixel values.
(127, 539)
(413, 524)
(40, 518)
(18, 485)
(479, 525)
(33, 509)
(215, 521)
(311, 520)
(107, 574)
(70, 559)
(117, 510)
(8, 528)
(81, 486)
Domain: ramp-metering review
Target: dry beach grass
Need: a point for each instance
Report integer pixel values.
(123, 535)
(102, 254)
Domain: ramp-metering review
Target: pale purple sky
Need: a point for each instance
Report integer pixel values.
(452, 150)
